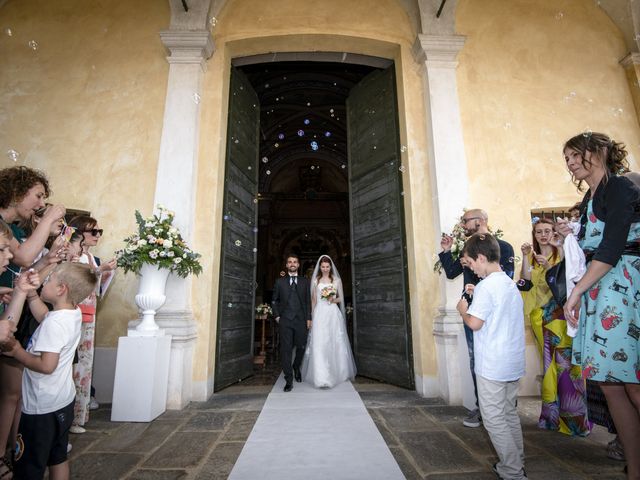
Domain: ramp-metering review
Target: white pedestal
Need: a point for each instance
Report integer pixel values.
(142, 373)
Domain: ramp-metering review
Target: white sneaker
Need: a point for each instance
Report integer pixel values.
(69, 447)
(93, 404)
(473, 419)
(77, 429)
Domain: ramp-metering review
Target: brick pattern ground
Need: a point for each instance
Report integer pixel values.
(426, 437)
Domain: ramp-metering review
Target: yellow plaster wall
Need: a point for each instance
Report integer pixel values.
(86, 106)
(378, 28)
(531, 75)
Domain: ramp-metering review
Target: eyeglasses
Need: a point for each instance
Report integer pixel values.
(465, 220)
(95, 231)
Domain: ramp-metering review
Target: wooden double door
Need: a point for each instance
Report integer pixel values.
(382, 321)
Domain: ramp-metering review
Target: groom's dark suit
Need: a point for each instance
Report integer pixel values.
(292, 303)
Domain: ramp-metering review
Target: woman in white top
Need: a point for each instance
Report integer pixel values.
(328, 360)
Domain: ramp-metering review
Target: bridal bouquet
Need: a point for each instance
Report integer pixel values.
(264, 309)
(158, 242)
(328, 292)
(459, 237)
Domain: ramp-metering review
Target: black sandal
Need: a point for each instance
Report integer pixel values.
(6, 469)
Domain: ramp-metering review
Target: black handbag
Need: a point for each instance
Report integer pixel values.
(557, 280)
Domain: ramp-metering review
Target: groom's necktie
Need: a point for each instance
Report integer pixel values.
(294, 282)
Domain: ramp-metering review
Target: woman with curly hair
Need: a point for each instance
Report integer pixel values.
(23, 191)
(605, 303)
(564, 405)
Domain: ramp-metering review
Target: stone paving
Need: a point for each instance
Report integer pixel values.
(425, 436)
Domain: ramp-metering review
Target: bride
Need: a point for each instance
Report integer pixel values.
(328, 360)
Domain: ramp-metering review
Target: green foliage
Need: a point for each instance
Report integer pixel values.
(158, 242)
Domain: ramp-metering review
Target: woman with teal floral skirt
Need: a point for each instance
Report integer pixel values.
(605, 303)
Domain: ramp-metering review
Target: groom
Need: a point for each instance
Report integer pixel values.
(292, 309)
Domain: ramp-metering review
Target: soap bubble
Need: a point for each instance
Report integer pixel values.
(331, 110)
(265, 159)
(238, 243)
(229, 304)
(403, 148)
(196, 98)
(227, 218)
(559, 15)
(236, 141)
(301, 133)
(343, 166)
(281, 136)
(13, 155)
(268, 172)
(266, 85)
(308, 104)
(213, 21)
(33, 45)
(9, 32)
(313, 167)
(255, 250)
(327, 134)
(255, 200)
(402, 168)
(276, 144)
(307, 121)
(255, 229)
(314, 145)
(249, 167)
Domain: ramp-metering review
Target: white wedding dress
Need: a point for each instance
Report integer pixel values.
(328, 360)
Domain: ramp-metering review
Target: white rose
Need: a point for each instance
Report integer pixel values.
(173, 231)
(142, 242)
(167, 244)
(177, 260)
(170, 254)
(149, 224)
(163, 253)
(184, 255)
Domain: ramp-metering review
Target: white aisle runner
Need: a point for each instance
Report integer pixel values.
(311, 433)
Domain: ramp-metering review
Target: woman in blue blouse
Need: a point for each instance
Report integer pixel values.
(605, 303)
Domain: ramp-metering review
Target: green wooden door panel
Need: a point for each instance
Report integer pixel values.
(234, 352)
(382, 322)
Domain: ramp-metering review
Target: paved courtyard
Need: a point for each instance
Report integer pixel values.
(425, 436)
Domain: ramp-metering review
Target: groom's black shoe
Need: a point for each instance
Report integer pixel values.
(297, 375)
(288, 387)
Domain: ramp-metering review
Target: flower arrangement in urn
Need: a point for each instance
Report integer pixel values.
(158, 242)
(264, 309)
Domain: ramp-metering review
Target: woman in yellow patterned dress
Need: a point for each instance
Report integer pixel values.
(564, 405)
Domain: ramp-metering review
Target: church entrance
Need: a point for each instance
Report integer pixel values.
(313, 168)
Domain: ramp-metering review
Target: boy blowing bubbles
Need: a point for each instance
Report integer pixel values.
(48, 391)
(497, 320)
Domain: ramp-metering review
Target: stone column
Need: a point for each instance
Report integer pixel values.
(450, 185)
(631, 65)
(175, 189)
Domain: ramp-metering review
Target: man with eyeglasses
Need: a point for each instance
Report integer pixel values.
(473, 221)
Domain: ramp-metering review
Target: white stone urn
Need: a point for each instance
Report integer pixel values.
(151, 297)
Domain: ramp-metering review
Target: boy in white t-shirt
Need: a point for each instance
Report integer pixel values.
(48, 391)
(497, 320)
